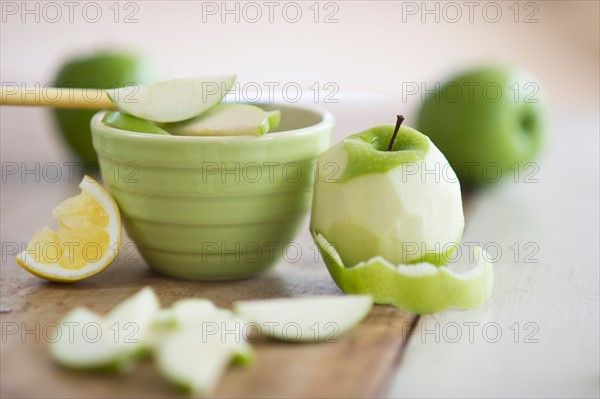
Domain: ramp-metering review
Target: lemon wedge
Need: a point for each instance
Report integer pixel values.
(86, 242)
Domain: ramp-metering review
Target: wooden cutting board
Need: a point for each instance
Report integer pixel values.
(358, 365)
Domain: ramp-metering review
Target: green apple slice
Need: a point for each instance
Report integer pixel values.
(198, 313)
(224, 120)
(181, 314)
(85, 342)
(419, 288)
(130, 123)
(173, 100)
(111, 343)
(132, 319)
(189, 310)
(194, 360)
(312, 319)
(202, 314)
(274, 118)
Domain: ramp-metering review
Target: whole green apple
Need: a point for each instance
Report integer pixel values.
(489, 122)
(100, 71)
(389, 192)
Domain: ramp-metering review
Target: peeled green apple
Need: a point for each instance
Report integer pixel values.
(402, 204)
(102, 70)
(489, 122)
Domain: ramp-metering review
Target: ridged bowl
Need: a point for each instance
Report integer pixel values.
(214, 207)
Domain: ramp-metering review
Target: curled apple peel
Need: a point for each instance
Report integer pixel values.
(417, 288)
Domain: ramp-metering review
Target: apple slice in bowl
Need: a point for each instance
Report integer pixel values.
(131, 123)
(224, 120)
(172, 100)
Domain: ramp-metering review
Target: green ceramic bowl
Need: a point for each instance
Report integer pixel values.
(214, 207)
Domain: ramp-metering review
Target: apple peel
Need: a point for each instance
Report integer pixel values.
(417, 288)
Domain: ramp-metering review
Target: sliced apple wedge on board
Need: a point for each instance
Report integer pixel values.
(90, 341)
(194, 358)
(313, 319)
(193, 341)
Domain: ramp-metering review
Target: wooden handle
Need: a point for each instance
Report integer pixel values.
(56, 97)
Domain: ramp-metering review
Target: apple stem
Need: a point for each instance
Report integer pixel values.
(398, 123)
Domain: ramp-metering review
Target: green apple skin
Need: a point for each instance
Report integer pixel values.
(418, 289)
(484, 133)
(131, 123)
(102, 70)
(372, 202)
(274, 118)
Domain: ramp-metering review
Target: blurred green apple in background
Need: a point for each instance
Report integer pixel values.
(103, 70)
(489, 122)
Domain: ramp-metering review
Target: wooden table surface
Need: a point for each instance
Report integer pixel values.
(358, 365)
(536, 337)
